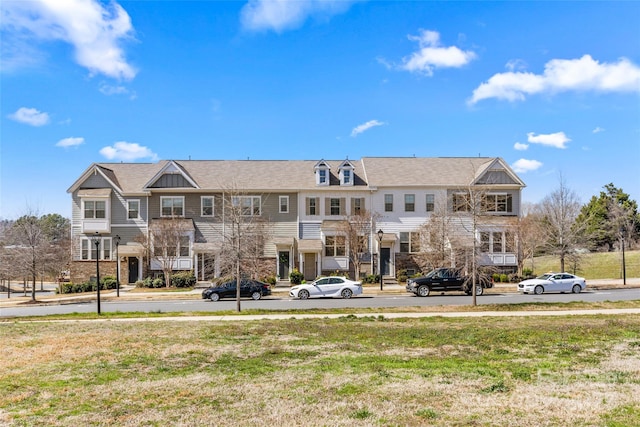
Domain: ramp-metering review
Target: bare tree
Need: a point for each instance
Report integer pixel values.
(528, 235)
(436, 236)
(168, 240)
(559, 211)
(244, 233)
(356, 229)
(30, 241)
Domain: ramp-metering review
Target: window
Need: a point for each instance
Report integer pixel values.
(284, 204)
(497, 203)
(409, 202)
(363, 244)
(460, 202)
(312, 205)
(322, 176)
(431, 204)
(497, 242)
(409, 242)
(357, 205)
(206, 206)
(335, 206)
(88, 249)
(250, 205)
(346, 177)
(133, 209)
(388, 202)
(334, 246)
(95, 209)
(484, 241)
(184, 246)
(171, 206)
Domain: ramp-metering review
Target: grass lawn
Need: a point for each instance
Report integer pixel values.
(494, 371)
(596, 265)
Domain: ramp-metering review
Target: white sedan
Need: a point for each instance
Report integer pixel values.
(553, 282)
(334, 286)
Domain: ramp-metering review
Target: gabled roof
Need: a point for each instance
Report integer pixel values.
(430, 171)
(171, 167)
(297, 175)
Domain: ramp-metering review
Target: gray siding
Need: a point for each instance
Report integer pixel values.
(310, 230)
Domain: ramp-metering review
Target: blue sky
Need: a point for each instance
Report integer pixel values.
(551, 87)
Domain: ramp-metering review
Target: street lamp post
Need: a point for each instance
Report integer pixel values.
(96, 241)
(624, 267)
(116, 241)
(380, 236)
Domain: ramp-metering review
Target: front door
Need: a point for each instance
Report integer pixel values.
(133, 264)
(309, 266)
(283, 264)
(385, 261)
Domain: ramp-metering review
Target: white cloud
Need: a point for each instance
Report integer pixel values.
(113, 90)
(432, 55)
(365, 126)
(525, 165)
(598, 129)
(558, 139)
(127, 151)
(520, 146)
(516, 64)
(94, 29)
(561, 75)
(30, 116)
(70, 142)
(280, 15)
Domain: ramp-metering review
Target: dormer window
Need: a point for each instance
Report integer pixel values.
(322, 173)
(346, 173)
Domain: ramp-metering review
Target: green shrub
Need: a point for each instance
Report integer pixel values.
(495, 277)
(184, 279)
(371, 278)
(158, 282)
(504, 278)
(270, 280)
(108, 282)
(295, 277)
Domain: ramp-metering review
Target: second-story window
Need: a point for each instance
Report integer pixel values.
(409, 202)
(388, 202)
(206, 206)
(322, 176)
(249, 205)
(497, 203)
(460, 202)
(357, 205)
(431, 204)
(133, 209)
(95, 209)
(284, 204)
(346, 177)
(171, 206)
(335, 206)
(312, 205)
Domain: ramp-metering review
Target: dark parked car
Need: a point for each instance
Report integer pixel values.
(253, 289)
(444, 280)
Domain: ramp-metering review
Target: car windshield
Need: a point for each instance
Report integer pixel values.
(546, 276)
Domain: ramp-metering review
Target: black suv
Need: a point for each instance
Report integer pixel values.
(444, 280)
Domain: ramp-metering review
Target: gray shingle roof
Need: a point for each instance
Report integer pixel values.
(296, 175)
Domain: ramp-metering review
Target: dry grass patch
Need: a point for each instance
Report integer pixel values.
(552, 371)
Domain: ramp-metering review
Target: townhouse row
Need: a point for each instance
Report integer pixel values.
(304, 203)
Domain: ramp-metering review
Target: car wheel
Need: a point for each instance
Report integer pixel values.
(256, 295)
(423, 291)
(214, 297)
(479, 290)
(303, 294)
(576, 289)
(346, 293)
(538, 290)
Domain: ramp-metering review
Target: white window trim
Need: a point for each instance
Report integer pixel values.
(213, 208)
(129, 209)
(90, 246)
(280, 199)
(106, 208)
(171, 197)
(237, 201)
